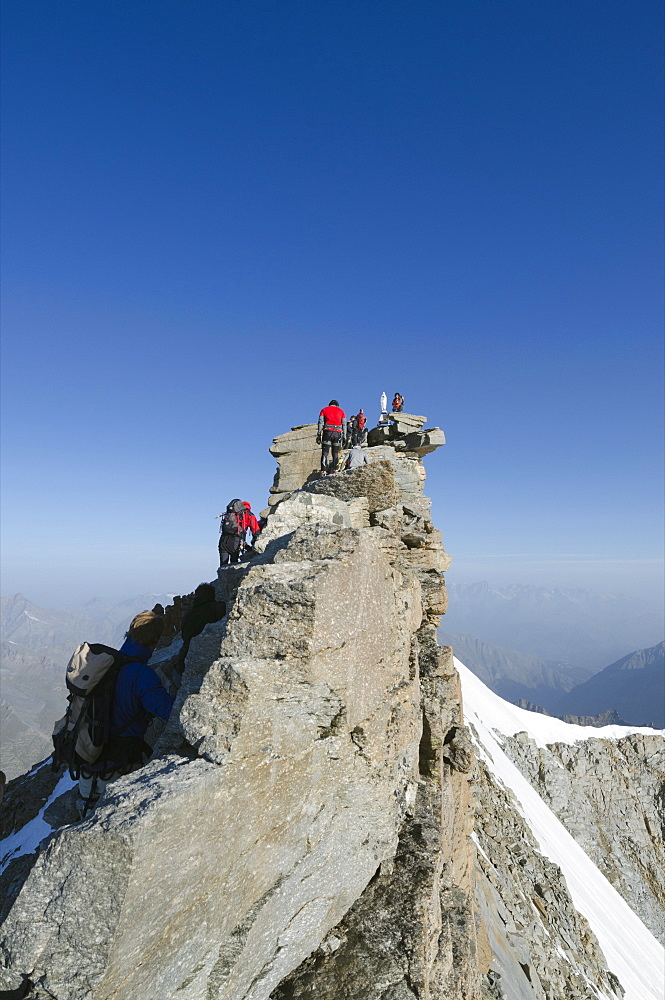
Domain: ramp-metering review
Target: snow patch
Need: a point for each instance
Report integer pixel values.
(33, 619)
(29, 837)
(543, 729)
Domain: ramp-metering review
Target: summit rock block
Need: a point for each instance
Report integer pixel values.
(289, 774)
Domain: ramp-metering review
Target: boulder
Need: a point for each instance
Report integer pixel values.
(376, 482)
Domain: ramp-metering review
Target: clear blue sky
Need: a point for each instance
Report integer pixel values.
(217, 216)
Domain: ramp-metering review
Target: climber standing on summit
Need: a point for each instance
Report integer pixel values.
(331, 433)
(360, 429)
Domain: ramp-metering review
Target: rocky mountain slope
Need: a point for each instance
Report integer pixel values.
(615, 796)
(313, 822)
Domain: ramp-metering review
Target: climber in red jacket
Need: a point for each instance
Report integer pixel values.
(331, 433)
(249, 521)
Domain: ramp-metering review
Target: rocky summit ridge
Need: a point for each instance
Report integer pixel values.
(313, 822)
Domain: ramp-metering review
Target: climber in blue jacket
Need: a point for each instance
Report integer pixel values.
(139, 696)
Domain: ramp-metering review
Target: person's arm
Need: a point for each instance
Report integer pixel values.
(152, 694)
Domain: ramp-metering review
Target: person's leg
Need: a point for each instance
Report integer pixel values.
(335, 456)
(325, 449)
(225, 549)
(91, 787)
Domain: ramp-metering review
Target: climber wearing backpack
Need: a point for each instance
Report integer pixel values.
(136, 695)
(331, 432)
(360, 429)
(232, 533)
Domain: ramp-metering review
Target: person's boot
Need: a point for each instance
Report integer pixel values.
(84, 807)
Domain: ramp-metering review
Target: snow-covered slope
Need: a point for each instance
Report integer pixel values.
(631, 951)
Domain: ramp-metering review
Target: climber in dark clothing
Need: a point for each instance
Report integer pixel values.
(233, 529)
(360, 430)
(139, 696)
(331, 432)
(203, 611)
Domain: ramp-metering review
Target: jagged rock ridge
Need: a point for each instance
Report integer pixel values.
(304, 829)
(297, 734)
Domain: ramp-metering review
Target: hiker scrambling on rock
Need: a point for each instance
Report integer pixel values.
(137, 697)
(331, 433)
(232, 532)
(250, 522)
(356, 457)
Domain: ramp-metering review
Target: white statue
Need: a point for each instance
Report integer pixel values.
(384, 403)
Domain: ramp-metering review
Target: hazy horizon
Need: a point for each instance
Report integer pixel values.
(216, 218)
(40, 598)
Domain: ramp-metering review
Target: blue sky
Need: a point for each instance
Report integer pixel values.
(217, 216)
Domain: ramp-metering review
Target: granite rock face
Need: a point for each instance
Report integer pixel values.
(609, 796)
(303, 709)
(315, 761)
(305, 828)
(541, 947)
(415, 931)
(298, 460)
(376, 482)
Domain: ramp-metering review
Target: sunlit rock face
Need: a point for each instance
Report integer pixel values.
(314, 823)
(303, 756)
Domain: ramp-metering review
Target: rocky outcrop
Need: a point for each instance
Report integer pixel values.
(609, 796)
(298, 455)
(315, 762)
(298, 460)
(305, 827)
(414, 932)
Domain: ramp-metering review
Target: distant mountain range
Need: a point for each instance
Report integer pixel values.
(35, 647)
(634, 686)
(37, 643)
(577, 627)
(515, 675)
